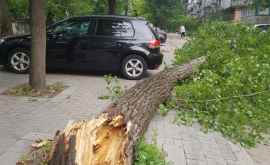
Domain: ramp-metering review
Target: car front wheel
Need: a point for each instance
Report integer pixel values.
(19, 60)
(134, 67)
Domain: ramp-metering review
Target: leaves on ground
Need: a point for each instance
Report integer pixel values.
(26, 90)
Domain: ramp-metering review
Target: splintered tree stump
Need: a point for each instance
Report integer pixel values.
(109, 139)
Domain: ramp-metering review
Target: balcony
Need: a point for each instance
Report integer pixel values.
(240, 3)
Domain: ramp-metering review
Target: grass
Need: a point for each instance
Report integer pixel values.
(26, 90)
(163, 110)
(149, 153)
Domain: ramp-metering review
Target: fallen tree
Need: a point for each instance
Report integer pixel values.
(109, 139)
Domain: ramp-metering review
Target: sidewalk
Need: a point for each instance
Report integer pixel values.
(23, 120)
(186, 145)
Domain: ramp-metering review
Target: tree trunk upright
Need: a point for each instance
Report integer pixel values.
(5, 21)
(126, 7)
(111, 7)
(38, 48)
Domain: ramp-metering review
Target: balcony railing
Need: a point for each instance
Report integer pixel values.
(239, 3)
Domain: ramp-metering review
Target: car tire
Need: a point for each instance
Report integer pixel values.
(134, 67)
(19, 60)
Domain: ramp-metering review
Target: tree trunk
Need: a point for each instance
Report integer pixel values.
(5, 21)
(38, 50)
(111, 7)
(126, 7)
(109, 139)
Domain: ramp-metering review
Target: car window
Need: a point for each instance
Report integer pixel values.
(72, 27)
(264, 27)
(115, 28)
(92, 27)
(144, 30)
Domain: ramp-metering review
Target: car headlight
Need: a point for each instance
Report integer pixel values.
(2, 40)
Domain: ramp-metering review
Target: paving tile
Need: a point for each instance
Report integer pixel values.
(175, 154)
(230, 162)
(13, 154)
(20, 116)
(216, 161)
(196, 162)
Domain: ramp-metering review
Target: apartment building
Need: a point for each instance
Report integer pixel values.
(203, 8)
(250, 11)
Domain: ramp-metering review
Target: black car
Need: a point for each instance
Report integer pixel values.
(105, 43)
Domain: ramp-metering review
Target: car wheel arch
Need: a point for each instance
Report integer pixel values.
(13, 47)
(141, 68)
(135, 53)
(14, 62)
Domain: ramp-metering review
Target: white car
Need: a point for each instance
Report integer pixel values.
(262, 27)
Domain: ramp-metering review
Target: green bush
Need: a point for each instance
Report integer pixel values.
(231, 93)
(114, 88)
(149, 154)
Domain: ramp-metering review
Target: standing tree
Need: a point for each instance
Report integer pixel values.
(126, 7)
(38, 49)
(5, 24)
(111, 7)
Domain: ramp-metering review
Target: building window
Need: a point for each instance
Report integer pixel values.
(247, 12)
(262, 7)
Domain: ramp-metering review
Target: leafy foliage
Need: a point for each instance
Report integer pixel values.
(191, 23)
(163, 110)
(18, 8)
(55, 9)
(65, 8)
(167, 14)
(149, 154)
(114, 88)
(231, 93)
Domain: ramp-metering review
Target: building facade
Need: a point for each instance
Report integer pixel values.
(250, 11)
(204, 8)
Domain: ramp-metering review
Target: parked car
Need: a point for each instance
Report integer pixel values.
(161, 34)
(105, 43)
(262, 27)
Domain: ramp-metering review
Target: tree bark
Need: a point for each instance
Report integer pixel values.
(111, 7)
(109, 139)
(38, 45)
(5, 20)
